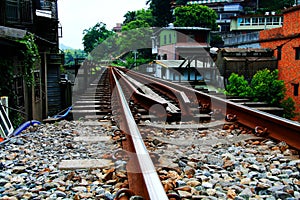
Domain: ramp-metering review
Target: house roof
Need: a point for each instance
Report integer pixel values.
(180, 63)
(185, 28)
(12, 33)
(245, 50)
(249, 59)
(291, 9)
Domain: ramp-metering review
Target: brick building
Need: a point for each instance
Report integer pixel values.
(286, 43)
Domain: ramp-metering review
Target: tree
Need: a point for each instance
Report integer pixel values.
(140, 15)
(264, 86)
(129, 16)
(135, 24)
(267, 87)
(275, 5)
(238, 86)
(95, 36)
(161, 11)
(181, 2)
(289, 108)
(72, 54)
(195, 15)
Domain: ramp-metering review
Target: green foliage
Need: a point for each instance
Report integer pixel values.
(129, 16)
(275, 5)
(267, 87)
(195, 15)
(238, 86)
(142, 16)
(135, 24)
(161, 11)
(130, 61)
(181, 2)
(264, 86)
(289, 108)
(95, 36)
(72, 54)
(31, 58)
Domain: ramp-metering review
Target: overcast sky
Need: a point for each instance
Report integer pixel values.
(77, 15)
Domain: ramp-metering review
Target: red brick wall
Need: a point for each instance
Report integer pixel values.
(288, 66)
(291, 23)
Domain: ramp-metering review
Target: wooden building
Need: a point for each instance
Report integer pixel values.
(244, 61)
(18, 20)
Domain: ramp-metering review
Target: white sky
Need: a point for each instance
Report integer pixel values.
(77, 15)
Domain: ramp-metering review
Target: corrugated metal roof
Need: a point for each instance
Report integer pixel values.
(185, 28)
(245, 50)
(12, 33)
(177, 63)
(251, 59)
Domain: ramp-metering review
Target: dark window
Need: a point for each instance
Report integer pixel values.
(297, 50)
(296, 89)
(165, 57)
(279, 48)
(170, 38)
(165, 39)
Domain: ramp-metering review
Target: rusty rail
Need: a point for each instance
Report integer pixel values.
(137, 96)
(142, 176)
(180, 97)
(277, 128)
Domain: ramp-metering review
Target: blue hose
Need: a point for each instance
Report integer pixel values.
(24, 126)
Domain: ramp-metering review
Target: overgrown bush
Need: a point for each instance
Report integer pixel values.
(264, 86)
(238, 86)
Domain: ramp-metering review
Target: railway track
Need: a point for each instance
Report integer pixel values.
(140, 104)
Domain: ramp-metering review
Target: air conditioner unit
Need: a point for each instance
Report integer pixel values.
(6, 127)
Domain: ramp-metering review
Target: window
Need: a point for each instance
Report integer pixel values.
(165, 39)
(296, 89)
(269, 21)
(297, 52)
(261, 21)
(255, 21)
(279, 48)
(170, 38)
(245, 22)
(275, 20)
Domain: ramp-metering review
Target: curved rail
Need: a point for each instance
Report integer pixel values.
(277, 128)
(177, 95)
(137, 96)
(140, 167)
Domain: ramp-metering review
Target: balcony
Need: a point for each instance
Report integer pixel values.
(233, 8)
(47, 9)
(242, 39)
(256, 23)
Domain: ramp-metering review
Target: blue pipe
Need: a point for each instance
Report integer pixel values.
(24, 126)
(64, 115)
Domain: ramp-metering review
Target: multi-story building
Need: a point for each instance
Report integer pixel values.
(225, 10)
(245, 29)
(175, 43)
(19, 18)
(285, 41)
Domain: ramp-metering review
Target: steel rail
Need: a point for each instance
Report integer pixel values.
(146, 181)
(138, 97)
(278, 128)
(180, 97)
